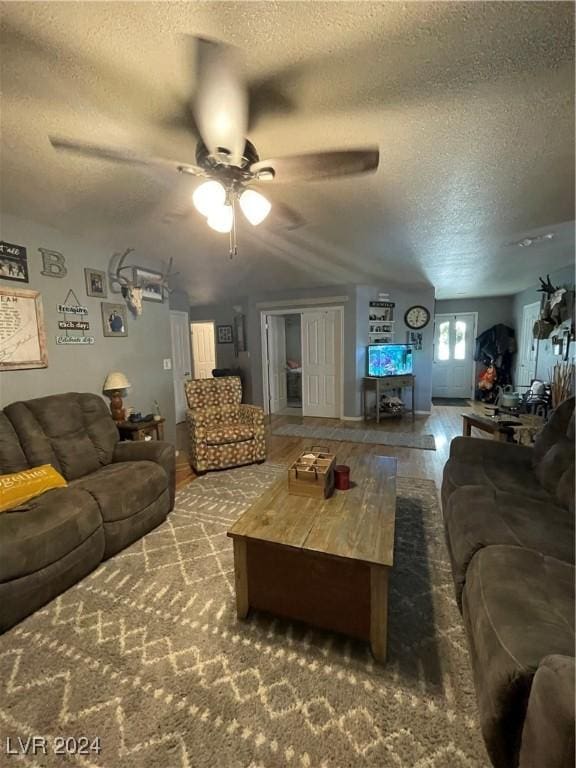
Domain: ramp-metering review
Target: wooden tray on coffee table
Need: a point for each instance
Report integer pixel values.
(322, 561)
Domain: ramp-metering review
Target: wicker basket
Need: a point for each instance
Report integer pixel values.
(312, 474)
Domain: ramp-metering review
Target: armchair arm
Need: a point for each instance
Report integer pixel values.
(476, 449)
(150, 450)
(251, 414)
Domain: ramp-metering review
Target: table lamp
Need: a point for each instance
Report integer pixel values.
(114, 385)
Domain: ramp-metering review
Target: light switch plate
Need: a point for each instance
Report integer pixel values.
(167, 364)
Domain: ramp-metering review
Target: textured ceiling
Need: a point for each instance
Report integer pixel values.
(472, 105)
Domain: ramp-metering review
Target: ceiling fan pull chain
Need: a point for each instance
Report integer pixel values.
(233, 247)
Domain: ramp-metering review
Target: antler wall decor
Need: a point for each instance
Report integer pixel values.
(131, 291)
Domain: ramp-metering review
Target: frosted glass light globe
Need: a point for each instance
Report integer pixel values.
(209, 196)
(254, 206)
(221, 218)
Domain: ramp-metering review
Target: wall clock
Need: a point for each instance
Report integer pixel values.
(417, 317)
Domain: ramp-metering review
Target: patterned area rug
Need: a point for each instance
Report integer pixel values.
(347, 435)
(146, 653)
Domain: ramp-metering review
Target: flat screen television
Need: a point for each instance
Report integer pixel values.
(389, 359)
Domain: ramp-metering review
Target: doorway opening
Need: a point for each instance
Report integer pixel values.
(453, 371)
(302, 361)
(203, 349)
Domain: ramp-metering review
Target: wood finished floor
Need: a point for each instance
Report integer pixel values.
(444, 422)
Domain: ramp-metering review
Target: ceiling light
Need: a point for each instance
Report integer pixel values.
(254, 206)
(208, 197)
(221, 218)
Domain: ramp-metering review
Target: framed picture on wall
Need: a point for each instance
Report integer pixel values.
(13, 262)
(151, 283)
(224, 334)
(22, 334)
(95, 283)
(114, 319)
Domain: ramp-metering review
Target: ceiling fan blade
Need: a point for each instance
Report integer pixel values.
(317, 165)
(221, 100)
(283, 217)
(121, 155)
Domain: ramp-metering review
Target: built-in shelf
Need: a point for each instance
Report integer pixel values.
(384, 310)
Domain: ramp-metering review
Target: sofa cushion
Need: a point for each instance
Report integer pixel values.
(229, 433)
(557, 459)
(561, 424)
(73, 432)
(12, 458)
(518, 607)
(477, 516)
(125, 488)
(518, 478)
(45, 529)
(548, 734)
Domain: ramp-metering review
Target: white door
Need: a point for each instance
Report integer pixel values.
(181, 361)
(453, 367)
(526, 369)
(203, 349)
(276, 340)
(320, 364)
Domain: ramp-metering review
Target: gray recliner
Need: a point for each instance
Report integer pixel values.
(117, 492)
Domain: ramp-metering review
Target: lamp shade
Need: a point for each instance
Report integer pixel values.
(254, 206)
(221, 219)
(209, 196)
(115, 380)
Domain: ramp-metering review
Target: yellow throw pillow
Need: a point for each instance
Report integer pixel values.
(22, 486)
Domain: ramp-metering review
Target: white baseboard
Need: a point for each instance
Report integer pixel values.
(351, 418)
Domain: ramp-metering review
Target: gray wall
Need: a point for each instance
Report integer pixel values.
(355, 302)
(84, 368)
(546, 360)
(404, 298)
(224, 314)
(491, 310)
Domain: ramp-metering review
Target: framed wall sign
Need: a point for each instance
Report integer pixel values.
(224, 334)
(95, 283)
(114, 319)
(151, 283)
(22, 334)
(13, 262)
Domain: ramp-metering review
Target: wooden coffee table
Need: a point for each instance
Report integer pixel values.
(322, 561)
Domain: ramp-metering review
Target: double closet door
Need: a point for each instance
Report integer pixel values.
(320, 355)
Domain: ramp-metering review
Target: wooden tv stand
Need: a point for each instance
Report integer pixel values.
(382, 384)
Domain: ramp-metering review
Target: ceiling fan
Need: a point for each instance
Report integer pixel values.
(227, 161)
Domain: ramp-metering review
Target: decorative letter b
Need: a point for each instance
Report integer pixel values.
(53, 263)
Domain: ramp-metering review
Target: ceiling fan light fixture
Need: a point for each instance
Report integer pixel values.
(209, 197)
(221, 218)
(254, 206)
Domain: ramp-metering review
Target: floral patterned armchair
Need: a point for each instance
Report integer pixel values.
(222, 432)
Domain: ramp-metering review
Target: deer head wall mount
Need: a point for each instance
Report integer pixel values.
(123, 279)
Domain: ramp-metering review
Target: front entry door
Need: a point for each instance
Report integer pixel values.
(452, 371)
(320, 364)
(203, 350)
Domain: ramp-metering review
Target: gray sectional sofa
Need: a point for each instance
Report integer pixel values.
(117, 492)
(509, 520)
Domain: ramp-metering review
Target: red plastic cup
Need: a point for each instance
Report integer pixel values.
(342, 477)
